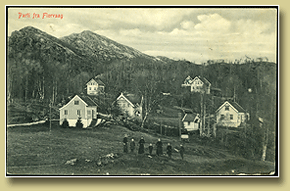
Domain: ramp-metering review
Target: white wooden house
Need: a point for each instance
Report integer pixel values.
(130, 105)
(191, 121)
(197, 84)
(82, 107)
(231, 114)
(95, 86)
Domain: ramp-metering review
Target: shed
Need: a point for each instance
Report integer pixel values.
(191, 121)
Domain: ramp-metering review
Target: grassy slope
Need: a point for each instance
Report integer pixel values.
(35, 151)
(169, 116)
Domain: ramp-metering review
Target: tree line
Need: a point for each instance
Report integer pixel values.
(40, 77)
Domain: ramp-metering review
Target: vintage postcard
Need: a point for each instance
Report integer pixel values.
(184, 91)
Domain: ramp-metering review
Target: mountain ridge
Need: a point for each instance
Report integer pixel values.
(101, 47)
(86, 45)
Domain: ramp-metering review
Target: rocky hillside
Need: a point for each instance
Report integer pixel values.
(101, 48)
(35, 44)
(86, 47)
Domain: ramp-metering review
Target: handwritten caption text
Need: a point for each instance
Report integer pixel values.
(38, 16)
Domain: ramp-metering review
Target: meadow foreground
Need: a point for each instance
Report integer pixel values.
(37, 151)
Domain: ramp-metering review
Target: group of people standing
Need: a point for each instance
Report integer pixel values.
(132, 145)
(159, 147)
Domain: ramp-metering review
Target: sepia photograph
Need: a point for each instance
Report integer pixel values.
(142, 91)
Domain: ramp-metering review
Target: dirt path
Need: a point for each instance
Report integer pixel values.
(26, 124)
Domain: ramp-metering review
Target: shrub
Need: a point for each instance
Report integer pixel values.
(65, 123)
(79, 123)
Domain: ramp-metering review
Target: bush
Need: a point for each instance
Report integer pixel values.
(79, 123)
(65, 124)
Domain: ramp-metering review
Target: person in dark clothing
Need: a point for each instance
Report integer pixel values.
(125, 144)
(159, 147)
(150, 149)
(132, 145)
(169, 150)
(181, 151)
(141, 146)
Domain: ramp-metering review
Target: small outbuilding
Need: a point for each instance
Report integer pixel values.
(191, 121)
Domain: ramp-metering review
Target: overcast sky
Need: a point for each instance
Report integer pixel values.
(195, 34)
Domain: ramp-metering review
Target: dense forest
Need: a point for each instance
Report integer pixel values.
(251, 84)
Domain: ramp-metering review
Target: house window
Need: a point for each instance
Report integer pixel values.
(222, 116)
(79, 112)
(89, 112)
(227, 108)
(128, 105)
(188, 123)
(95, 88)
(231, 116)
(90, 88)
(65, 112)
(76, 102)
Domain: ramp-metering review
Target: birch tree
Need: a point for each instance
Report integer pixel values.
(151, 96)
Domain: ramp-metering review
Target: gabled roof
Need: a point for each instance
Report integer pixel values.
(189, 117)
(203, 79)
(187, 81)
(237, 106)
(132, 99)
(85, 99)
(234, 105)
(89, 101)
(98, 80)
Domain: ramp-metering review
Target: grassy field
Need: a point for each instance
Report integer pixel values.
(169, 116)
(36, 151)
